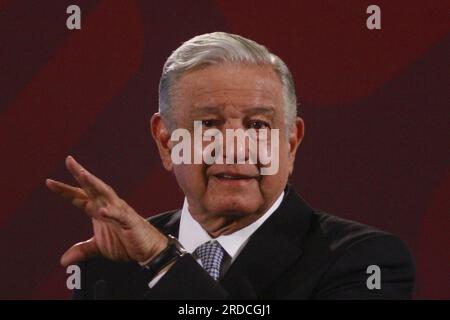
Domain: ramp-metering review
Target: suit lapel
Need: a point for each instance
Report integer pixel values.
(271, 250)
(172, 225)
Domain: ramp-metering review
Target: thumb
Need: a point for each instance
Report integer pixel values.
(79, 252)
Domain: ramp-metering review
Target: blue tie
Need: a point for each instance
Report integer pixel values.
(211, 255)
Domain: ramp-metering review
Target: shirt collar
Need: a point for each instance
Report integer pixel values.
(192, 235)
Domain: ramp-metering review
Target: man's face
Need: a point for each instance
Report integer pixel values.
(231, 96)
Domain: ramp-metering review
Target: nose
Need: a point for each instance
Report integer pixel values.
(236, 145)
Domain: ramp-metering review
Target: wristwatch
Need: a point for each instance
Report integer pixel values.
(173, 252)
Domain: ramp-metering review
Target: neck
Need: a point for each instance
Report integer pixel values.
(227, 224)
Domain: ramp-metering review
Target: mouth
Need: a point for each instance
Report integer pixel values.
(232, 176)
(234, 179)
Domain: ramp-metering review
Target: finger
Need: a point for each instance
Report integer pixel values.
(78, 172)
(79, 252)
(78, 196)
(92, 184)
(65, 190)
(99, 187)
(80, 203)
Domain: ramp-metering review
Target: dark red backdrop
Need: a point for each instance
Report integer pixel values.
(375, 103)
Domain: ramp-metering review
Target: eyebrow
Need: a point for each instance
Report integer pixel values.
(248, 111)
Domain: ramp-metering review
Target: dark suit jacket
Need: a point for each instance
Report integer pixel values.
(298, 253)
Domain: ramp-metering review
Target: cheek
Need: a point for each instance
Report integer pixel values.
(273, 184)
(286, 157)
(191, 179)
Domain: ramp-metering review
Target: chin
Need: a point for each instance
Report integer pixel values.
(231, 205)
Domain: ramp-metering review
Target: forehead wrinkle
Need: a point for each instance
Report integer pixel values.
(209, 99)
(260, 110)
(200, 110)
(202, 92)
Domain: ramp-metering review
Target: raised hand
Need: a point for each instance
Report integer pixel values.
(119, 232)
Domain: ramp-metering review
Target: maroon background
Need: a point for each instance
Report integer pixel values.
(375, 103)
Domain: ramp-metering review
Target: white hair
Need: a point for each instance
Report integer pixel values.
(220, 47)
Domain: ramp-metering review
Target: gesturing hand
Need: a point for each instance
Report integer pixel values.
(119, 232)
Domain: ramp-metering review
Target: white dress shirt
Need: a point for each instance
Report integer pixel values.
(191, 234)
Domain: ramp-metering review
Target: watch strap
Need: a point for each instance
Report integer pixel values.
(172, 252)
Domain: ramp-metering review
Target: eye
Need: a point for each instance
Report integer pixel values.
(209, 123)
(258, 124)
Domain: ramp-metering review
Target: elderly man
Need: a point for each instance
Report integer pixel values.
(240, 234)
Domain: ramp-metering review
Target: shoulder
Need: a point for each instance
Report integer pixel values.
(350, 249)
(340, 235)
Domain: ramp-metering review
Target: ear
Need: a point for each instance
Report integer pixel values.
(161, 135)
(296, 133)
